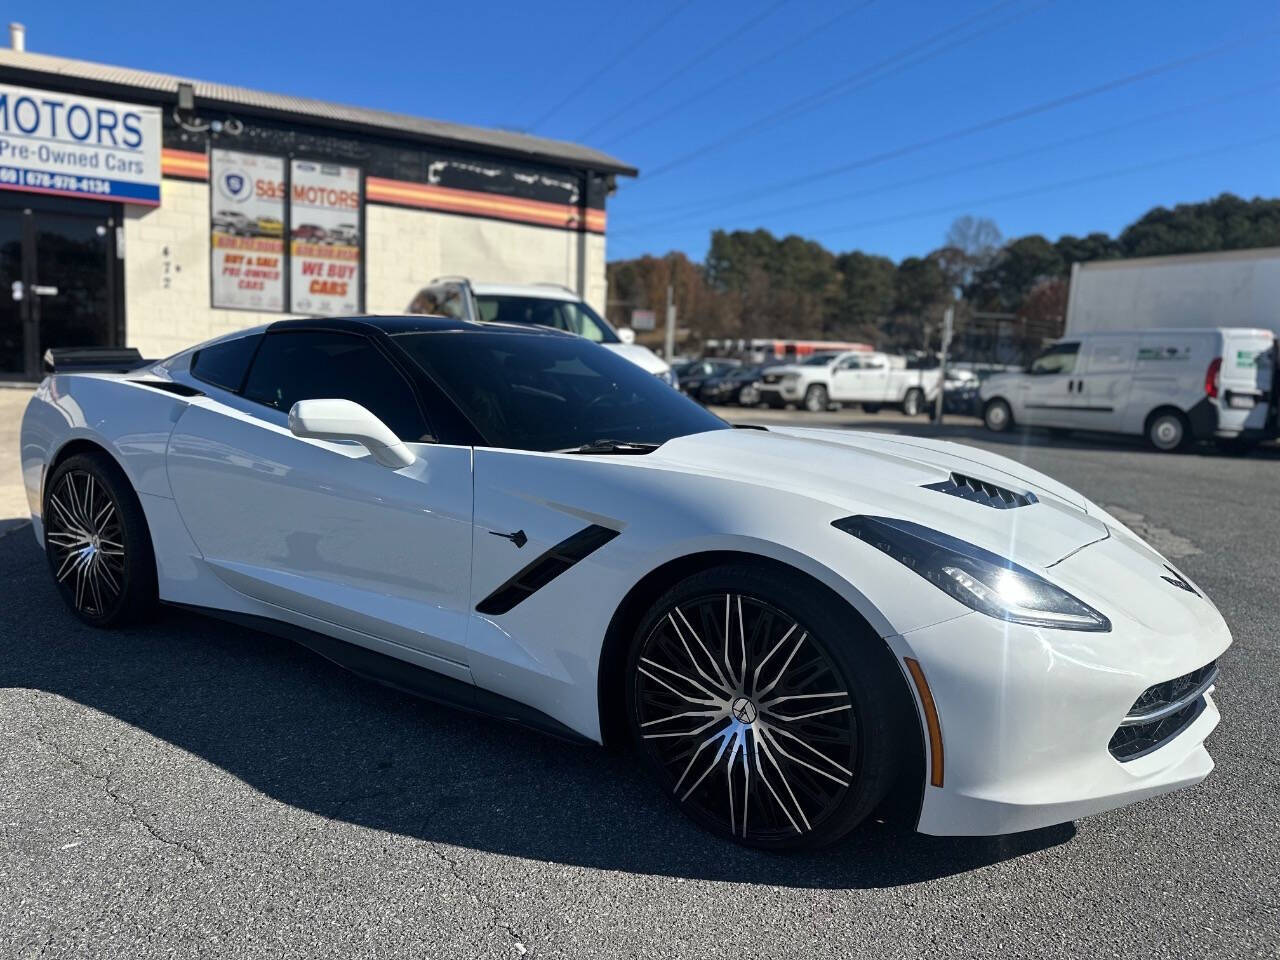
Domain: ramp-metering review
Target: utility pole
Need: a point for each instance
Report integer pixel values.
(948, 324)
(670, 346)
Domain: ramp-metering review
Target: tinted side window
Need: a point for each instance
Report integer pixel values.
(323, 365)
(224, 364)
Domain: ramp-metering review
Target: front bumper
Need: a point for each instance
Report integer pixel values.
(1027, 716)
(787, 391)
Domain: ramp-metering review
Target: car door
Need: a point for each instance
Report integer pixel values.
(1047, 394)
(1102, 381)
(846, 379)
(319, 529)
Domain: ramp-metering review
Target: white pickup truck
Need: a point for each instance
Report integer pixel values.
(871, 379)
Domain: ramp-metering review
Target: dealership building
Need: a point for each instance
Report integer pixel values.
(152, 211)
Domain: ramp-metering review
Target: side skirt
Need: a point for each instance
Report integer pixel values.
(398, 674)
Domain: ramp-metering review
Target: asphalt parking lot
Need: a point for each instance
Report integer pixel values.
(191, 788)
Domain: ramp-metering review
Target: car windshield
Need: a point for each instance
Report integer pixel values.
(528, 392)
(817, 360)
(572, 316)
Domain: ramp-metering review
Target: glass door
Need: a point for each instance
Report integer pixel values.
(58, 280)
(72, 289)
(12, 308)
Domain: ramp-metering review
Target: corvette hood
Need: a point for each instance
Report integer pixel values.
(889, 476)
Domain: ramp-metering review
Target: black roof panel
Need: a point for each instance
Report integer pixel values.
(412, 323)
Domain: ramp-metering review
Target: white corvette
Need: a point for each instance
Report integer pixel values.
(794, 627)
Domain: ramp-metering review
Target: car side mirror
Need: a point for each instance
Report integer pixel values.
(347, 420)
(626, 335)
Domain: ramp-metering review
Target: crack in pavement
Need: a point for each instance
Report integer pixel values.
(513, 935)
(133, 816)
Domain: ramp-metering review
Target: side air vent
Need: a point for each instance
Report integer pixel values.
(546, 568)
(169, 386)
(982, 491)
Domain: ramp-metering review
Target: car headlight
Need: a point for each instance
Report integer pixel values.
(978, 578)
(667, 376)
(790, 378)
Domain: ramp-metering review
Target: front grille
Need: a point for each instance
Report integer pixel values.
(1161, 713)
(982, 491)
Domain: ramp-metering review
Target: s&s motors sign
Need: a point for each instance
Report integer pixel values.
(78, 146)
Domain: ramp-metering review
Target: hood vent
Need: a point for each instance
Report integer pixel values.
(982, 491)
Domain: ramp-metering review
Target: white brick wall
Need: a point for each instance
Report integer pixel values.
(407, 248)
(166, 254)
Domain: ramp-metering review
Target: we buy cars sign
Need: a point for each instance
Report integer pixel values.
(324, 233)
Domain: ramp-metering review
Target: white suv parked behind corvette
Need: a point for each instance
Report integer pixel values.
(871, 379)
(539, 305)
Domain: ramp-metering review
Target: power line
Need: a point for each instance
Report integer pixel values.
(964, 168)
(1057, 185)
(612, 62)
(847, 84)
(687, 66)
(742, 71)
(1043, 106)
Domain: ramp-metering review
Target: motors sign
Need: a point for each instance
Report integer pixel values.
(78, 146)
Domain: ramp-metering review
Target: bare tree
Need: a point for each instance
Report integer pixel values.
(977, 237)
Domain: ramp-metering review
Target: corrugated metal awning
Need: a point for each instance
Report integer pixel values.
(382, 121)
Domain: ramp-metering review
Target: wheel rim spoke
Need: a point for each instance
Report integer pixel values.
(85, 542)
(762, 703)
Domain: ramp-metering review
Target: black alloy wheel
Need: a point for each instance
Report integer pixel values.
(758, 723)
(96, 542)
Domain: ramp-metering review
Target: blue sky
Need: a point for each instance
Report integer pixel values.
(729, 109)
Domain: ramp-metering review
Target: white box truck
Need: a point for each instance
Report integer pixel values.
(1235, 288)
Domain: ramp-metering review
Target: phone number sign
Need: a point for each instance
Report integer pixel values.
(78, 146)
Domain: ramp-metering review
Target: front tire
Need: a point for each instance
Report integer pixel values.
(913, 402)
(997, 416)
(97, 543)
(767, 710)
(816, 399)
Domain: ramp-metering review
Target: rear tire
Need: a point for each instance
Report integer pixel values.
(913, 402)
(816, 399)
(1167, 430)
(997, 416)
(97, 542)
(733, 768)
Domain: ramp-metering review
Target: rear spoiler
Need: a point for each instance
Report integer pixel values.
(105, 359)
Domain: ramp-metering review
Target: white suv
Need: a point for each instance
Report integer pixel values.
(538, 304)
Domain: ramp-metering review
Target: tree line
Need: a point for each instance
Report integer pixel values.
(753, 284)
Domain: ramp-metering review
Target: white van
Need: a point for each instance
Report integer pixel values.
(1170, 386)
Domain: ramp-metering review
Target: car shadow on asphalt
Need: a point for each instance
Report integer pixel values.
(308, 734)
